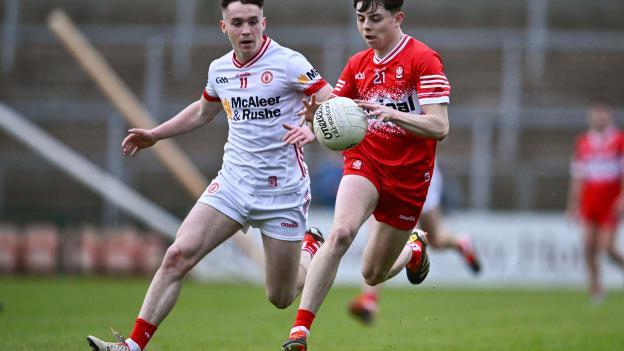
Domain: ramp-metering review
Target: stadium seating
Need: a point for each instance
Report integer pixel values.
(48, 86)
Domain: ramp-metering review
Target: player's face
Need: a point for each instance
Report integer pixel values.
(380, 29)
(243, 24)
(599, 117)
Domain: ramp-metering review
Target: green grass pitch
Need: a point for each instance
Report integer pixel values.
(57, 314)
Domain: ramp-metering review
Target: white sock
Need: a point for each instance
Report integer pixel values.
(296, 329)
(132, 345)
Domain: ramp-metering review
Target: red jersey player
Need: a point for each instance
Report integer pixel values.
(401, 82)
(595, 189)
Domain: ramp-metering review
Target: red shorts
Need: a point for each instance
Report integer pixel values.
(598, 203)
(400, 200)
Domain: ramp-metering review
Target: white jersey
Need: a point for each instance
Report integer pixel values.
(258, 97)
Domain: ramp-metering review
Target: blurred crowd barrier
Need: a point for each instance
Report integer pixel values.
(43, 248)
(531, 250)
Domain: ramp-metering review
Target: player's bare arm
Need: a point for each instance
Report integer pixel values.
(433, 123)
(192, 117)
(573, 197)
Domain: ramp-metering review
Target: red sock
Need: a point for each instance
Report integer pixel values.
(142, 332)
(304, 319)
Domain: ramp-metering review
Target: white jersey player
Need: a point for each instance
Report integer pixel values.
(263, 181)
(259, 97)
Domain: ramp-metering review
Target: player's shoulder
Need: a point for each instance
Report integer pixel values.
(418, 46)
(224, 61)
(582, 138)
(420, 50)
(284, 53)
(362, 57)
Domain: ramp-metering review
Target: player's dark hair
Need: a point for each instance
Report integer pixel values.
(259, 3)
(370, 6)
(602, 101)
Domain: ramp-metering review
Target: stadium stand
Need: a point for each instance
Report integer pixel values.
(478, 39)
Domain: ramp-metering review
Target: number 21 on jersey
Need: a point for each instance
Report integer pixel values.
(380, 76)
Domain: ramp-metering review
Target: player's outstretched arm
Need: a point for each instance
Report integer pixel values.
(311, 105)
(433, 123)
(192, 117)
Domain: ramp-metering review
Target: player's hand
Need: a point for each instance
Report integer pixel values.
(381, 112)
(137, 139)
(299, 136)
(309, 109)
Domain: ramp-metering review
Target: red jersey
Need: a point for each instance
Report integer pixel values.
(597, 162)
(599, 156)
(410, 76)
(397, 162)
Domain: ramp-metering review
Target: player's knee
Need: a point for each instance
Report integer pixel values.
(281, 300)
(340, 239)
(373, 277)
(175, 261)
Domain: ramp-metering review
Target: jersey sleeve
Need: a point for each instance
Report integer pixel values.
(432, 86)
(345, 87)
(302, 76)
(210, 93)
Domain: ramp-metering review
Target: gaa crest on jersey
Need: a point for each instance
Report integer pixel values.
(356, 164)
(266, 77)
(399, 72)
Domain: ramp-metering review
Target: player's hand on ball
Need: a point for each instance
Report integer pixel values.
(137, 139)
(381, 112)
(309, 108)
(298, 135)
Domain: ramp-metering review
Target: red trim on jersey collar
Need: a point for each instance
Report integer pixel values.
(254, 58)
(395, 51)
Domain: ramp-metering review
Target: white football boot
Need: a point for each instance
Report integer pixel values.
(99, 345)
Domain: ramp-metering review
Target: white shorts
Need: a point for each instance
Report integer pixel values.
(434, 195)
(282, 217)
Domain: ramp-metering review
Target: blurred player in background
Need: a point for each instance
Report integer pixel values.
(263, 181)
(401, 82)
(365, 306)
(595, 195)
